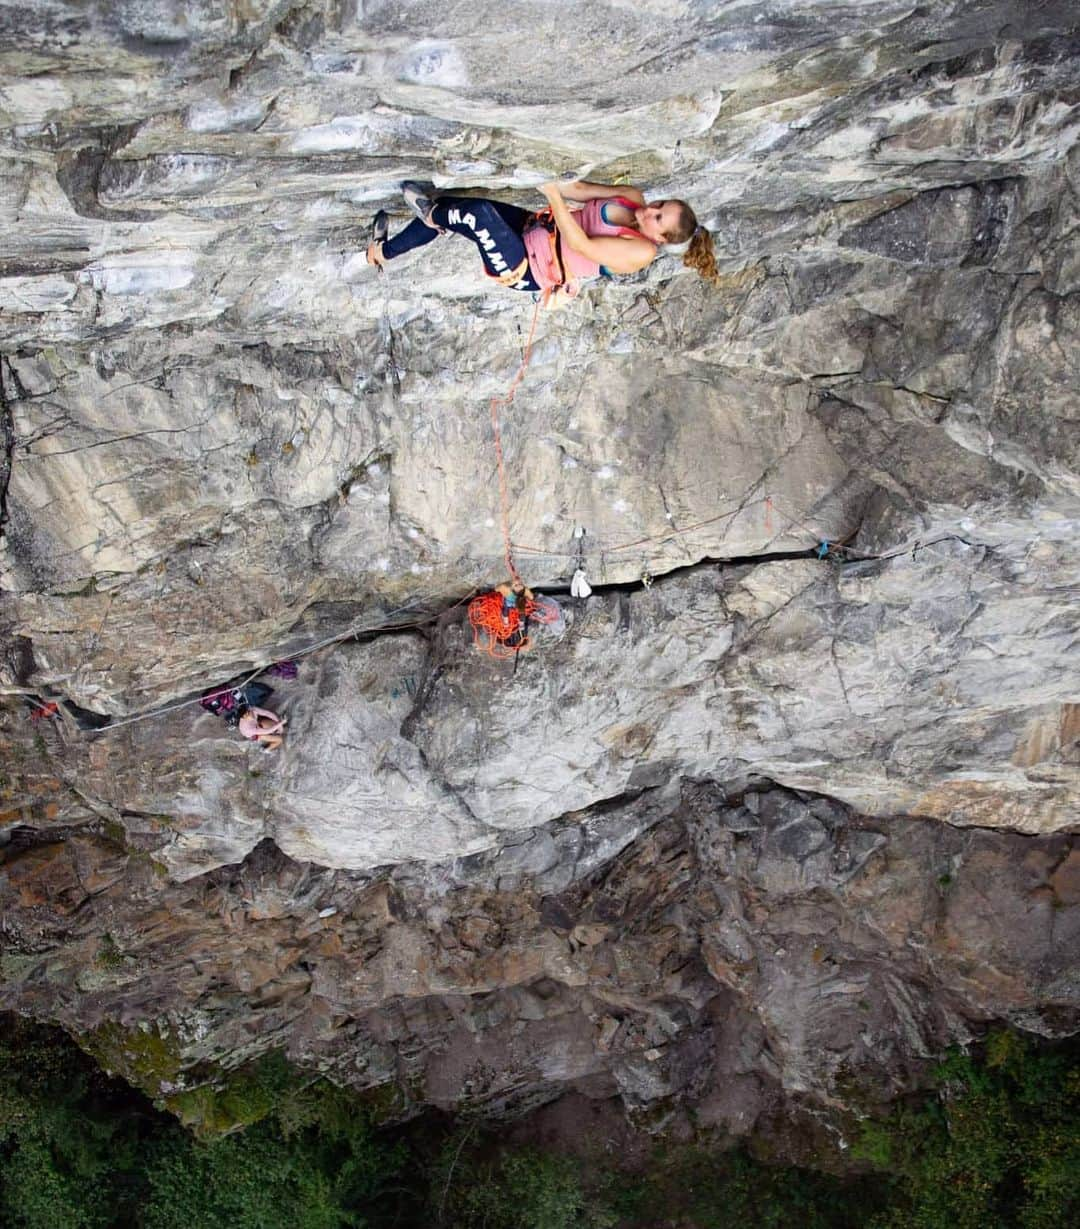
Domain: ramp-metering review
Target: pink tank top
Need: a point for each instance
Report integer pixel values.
(542, 261)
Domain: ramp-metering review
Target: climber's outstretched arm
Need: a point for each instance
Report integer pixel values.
(581, 190)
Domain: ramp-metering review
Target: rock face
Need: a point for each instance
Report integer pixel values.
(680, 950)
(712, 813)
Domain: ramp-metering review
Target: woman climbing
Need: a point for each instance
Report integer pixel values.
(588, 230)
(240, 707)
(262, 726)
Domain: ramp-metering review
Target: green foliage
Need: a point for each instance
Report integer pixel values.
(80, 1151)
(874, 1145)
(237, 1099)
(248, 1181)
(37, 1196)
(730, 1190)
(994, 1146)
(492, 1187)
(58, 1164)
(999, 1144)
(547, 1192)
(488, 1188)
(314, 1161)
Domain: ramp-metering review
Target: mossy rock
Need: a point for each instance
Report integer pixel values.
(15, 965)
(211, 1111)
(109, 955)
(145, 1057)
(115, 831)
(385, 1103)
(229, 1101)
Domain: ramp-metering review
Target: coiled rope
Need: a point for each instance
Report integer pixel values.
(499, 631)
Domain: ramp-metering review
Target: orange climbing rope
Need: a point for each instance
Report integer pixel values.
(498, 628)
(499, 631)
(496, 402)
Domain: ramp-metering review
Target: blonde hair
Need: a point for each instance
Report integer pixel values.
(699, 256)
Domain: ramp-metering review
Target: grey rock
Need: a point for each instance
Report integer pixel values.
(697, 968)
(747, 803)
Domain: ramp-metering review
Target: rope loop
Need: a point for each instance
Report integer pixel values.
(500, 632)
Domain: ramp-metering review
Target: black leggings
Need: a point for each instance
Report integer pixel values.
(495, 228)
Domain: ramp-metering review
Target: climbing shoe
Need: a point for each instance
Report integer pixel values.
(380, 228)
(419, 202)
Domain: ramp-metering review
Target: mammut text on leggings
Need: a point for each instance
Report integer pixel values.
(495, 228)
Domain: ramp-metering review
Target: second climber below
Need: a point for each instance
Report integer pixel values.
(588, 230)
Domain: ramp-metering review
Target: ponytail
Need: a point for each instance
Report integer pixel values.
(700, 256)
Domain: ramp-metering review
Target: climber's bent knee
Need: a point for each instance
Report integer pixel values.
(496, 231)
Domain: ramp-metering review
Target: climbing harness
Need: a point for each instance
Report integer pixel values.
(502, 632)
(224, 704)
(558, 267)
(543, 242)
(232, 704)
